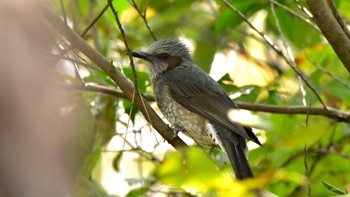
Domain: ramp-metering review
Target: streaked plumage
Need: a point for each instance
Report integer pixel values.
(195, 103)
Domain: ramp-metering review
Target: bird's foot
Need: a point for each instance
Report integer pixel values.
(176, 131)
(211, 150)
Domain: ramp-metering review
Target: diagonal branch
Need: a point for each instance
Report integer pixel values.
(335, 78)
(332, 27)
(124, 84)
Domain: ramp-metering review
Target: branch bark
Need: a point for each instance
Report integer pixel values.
(124, 84)
(332, 113)
(332, 27)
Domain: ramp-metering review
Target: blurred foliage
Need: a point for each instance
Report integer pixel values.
(300, 154)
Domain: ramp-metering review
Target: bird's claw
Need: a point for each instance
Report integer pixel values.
(176, 131)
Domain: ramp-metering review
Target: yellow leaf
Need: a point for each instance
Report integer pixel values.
(246, 71)
(130, 14)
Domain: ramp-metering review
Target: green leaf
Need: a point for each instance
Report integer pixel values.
(249, 93)
(138, 192)
(291, 27)
(116, 161)
(99, 77)
(90, 162)
(130, 109)
(316, 129)
(192, 168)
(226, 83)
(332, 188)
(105, 117)
(204, 55)
(92, 189)
(143, 79)
(344, 7)
(228, 19)
(148, 180)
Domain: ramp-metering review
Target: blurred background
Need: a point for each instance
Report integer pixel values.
(67, 129)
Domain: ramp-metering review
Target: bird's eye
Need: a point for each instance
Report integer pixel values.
(164, 56)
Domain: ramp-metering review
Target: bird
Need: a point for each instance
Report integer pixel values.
(194, 103)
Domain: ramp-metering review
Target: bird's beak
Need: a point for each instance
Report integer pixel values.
(141, 55)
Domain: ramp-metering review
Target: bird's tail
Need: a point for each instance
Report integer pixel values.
(238, 158)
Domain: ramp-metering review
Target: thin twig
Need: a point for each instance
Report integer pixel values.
(136, 90)
(307, 115)
(318, 158)
(307, 175)
(292, 12)
(69, 53)
(94, 33)
(327, 151)
(289, 52)
(329, 73)
(74, 11)
(121, 29)
(303, 9)
(144, 18)
(85, 64)
(93, 22)
(77, 73)
(274, 47)
(141, 152)
(63, 12)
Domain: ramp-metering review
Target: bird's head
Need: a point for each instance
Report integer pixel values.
(164, 55)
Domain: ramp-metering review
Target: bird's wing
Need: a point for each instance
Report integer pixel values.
(207, 100)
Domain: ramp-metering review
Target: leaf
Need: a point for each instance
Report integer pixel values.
(130, 109)
(92, 188)
(291, 27)
(116, 161)
(196, 171)
(332, 188)
(302, 134)
(148, 180)
(230, 20)
(138, 192)
(105, 117)
(204, 55)
(90, 162)
(249, 94)
(143, 79)
(227, 84)
(246, 71)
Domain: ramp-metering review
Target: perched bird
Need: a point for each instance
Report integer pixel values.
(196, 104)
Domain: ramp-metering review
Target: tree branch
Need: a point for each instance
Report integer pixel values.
(124, 84)
(332, 27)
(332, 113)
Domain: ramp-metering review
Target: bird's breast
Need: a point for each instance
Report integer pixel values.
(188, 122)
